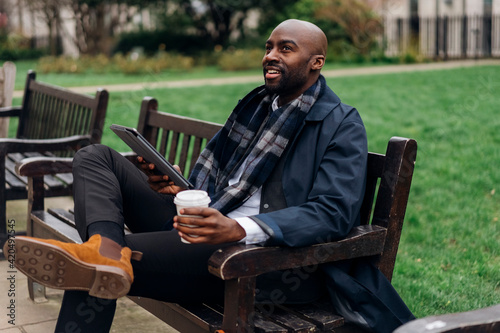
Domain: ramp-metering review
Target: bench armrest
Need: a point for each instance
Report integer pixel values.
(249, 260)
(33, 145)
(10, 111)
(41, 166)
(482, 320)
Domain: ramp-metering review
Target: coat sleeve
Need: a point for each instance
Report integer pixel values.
(323, 183)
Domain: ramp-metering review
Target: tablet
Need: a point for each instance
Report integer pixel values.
(143, 148)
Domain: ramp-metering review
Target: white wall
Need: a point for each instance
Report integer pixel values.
(23, 21)
(496, 7)
(428, 11)
(452, 7)
(474, 7)
(495, 35)
(427, 8)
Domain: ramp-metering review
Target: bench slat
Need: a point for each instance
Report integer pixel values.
(262, 325)
(265, 326)
(207, 314)
(12, 179)
(47, 226)
(173, 314)
(51, 181)
(290, 320)
(322, 314)
(63, 94)
(63, 215)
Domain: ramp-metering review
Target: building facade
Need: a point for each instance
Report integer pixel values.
(54, 20)
(442, 29)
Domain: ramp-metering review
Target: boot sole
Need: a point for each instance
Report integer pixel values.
(53, 267)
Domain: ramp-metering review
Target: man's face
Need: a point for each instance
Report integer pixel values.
(286, 64)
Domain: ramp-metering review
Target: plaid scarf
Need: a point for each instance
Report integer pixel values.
(257, 137)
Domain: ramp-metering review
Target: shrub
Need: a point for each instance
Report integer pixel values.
(127, 64)
(17, 47)
(241, 59)
(98, 64)
(62, 64)
(153, 41)
(162, 61)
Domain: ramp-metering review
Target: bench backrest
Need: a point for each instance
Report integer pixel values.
(50, 112)
(181, 139)
(7, 82)
(389, 179)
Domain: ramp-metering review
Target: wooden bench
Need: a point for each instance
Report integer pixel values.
(485, 320)
(52, 121)
(389, 179)
(7, 83)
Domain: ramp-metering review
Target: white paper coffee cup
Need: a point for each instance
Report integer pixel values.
(189, 199)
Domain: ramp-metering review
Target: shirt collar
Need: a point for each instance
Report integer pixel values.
(274, 105)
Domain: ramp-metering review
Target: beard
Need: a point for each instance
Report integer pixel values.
(289, 82)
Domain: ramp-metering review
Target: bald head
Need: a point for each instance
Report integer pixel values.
(295, 55)
(308, 33)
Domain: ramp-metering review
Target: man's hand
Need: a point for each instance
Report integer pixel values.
(159, 183)
(212, 226)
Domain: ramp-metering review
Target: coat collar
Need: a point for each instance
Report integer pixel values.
(325, 104)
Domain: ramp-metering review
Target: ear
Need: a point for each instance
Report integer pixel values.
(317, 62)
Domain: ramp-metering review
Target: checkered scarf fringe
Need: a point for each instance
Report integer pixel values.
(259, 137)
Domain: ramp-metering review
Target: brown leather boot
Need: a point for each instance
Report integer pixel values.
(100, 266)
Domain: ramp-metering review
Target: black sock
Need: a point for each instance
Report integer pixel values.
(83, 313)
(109, 230)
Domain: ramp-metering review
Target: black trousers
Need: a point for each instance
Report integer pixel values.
(108, 188)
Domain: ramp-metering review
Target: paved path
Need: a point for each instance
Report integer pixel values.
(374, 70)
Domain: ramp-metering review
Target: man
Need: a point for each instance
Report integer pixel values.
(287, 169)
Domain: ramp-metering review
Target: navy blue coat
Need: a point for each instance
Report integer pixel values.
(322, 183)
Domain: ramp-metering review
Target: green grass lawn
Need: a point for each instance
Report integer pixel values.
(449, 257)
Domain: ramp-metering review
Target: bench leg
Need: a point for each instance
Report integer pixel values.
(36, 291)
(35, 202)
(3, 203)
(239, 305)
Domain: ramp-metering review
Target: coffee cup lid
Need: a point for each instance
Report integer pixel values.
(190, 197)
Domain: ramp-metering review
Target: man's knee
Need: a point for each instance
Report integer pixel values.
(95, 151)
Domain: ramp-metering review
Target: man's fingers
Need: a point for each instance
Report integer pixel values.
(157, 178)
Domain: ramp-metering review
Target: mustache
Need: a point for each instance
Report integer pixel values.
(274, 65)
